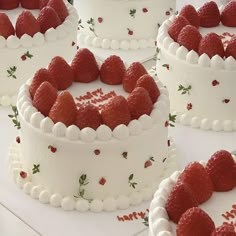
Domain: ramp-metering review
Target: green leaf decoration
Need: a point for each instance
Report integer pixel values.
(14, 117)
(11, 72)
(36, 169)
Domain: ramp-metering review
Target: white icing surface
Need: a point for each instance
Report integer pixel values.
(213, 106)
(112, 21)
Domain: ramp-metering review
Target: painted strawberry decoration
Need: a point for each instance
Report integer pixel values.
(145, 10)
(73, 43)
(102, 181)
(167, 13)
(167, 66)
(189, 106)
(215, 82)
(97, 152)
(23, 174)
(149, 162)
(226, 100)
(100, 19)
(52, 148)
(26, 55)
(125, 155)
(130, 32)
(18, 139)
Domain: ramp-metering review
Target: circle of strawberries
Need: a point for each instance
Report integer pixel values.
(61, 107)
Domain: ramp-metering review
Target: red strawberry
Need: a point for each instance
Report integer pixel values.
(30, 4)
(43, 3)
(177, 25)
(224, 230)
(147, 163)
(146, 81)
(190, 13)
(112, 70)
(189, 37)
(26, 24)
(9, 4)
(84, 66)
(88, 116)
(48, 18)
(61, 71)
(132, 74)
(196, 178)
(116, 112)
(6, 27)
(209, 14)
(228, 15)
(64, 109)
(60, 8)
(231, 48)
(212, 45)
(40, 76)
(222, 170)
(195, 222)
(139, 102)
(44, 97)
(179, 201)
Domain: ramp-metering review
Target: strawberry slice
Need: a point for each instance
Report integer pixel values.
(116, 112)
(48, 18)
(209, 15)
(176, 26)
(40, 76)
(146, 81)
(222, 170)
(224, 230)
(45, 97)
(61, 71)
(9, 4)
(64, 109)
(231, 48)
(30, 4)
(60, 8)
(88, 116)
(132, 74)
(179, 201)
(228, 15)
(195, 222)
(196, 178)
(190, 13)
(6, 27)
(212, 45)
(112, 70)
(189, 37)
(84, 66)
(139, 103)
(26, 23)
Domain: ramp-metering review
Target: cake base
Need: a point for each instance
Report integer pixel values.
(68, 203)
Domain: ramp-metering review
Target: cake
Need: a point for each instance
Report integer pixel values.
(200, 200)
(30, 42)
(200, 78)
(108, 155)
(111, 24)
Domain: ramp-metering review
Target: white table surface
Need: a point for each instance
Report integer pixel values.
(21, 215)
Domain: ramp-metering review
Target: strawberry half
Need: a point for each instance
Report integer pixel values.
(116, 112)
(196, 178)
(26, 23)
(195, 222)
(212, 45)
(132, 74)
(40, 76)
(189, 37)
(222, 170)
(30, 4)
(176, 26)
(48, 18)
(112, 70)
(179, 201)
(139, 102)
(209, 14)
(44, 97)
(84, 66)
(6, 27)
(61, 71)
(9, 4)
(146, 81)
(88, 116)
(64, 109)
(224, 230)
(231, 48)
(190, 13)
(228, 15)
(60, 8)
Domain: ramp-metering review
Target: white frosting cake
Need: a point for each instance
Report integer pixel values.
(201, 89)
(21, 57)
(121, 24)
(89, 169)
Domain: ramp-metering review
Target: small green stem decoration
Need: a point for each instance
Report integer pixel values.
(14, 117)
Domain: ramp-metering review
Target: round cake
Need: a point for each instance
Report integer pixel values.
(198, 68)
(84, 148)
(30, 38)
(113, 24)
(198, 201)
